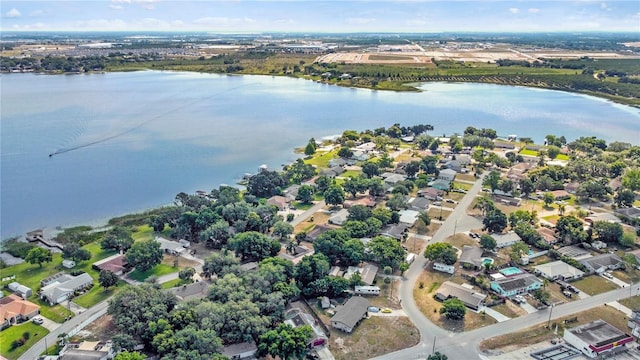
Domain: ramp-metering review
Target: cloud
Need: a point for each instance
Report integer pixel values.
(147, 4)
(222, 21)
(360, 21)
(534, 10)
(514, 10)
(604, 6)
(13, 13)
(116, 7)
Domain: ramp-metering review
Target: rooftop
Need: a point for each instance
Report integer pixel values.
(598, 333)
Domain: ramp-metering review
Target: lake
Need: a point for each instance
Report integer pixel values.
(125, 142)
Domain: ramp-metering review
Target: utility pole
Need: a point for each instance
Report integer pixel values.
(550, 312)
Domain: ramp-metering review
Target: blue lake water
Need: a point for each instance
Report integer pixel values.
(142, 137)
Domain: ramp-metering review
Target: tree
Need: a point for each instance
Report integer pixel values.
(541, 295)
(495, 221)
(285, 342)
(254, 246)
(220, 263)
(487, 242)
(631, 179)
(126, 355)
(143, 255)
(570, 228)
(548, 199)
(107, 279)
(518, 250)
(492, 180)
(442, 252)
(265, 184)
(522, 216)
(38, 255)
(370, 169)
(311, 268)
(526, 186)
(119, 239)
(74, 252)
(624, 198)
(397, 202)
(453, 309)
(334, 195)
(412, 168)
(387, 251)
(310, 149)
(424, 217)
(345, 152)
(305, 194)
(359, 212)
(282, 230)
(437, 356)
(216, 235)
(607, 232)
(627, 240)
(186, 273)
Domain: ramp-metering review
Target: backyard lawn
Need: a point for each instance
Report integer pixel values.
(158, 270)
(15, 332)
(97, 294)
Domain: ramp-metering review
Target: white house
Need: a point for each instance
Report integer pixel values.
(596, 338)
(447, 175)
(506, 240)
(62, 287)
(558, 270)
(449, 269)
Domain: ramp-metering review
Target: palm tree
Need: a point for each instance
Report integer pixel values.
(424, 217)
(561, 209)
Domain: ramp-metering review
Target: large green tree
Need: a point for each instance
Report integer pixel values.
(334, 195)
(453, 309)
(107, 279)
(145, 254)
(254, 246)
(387, 251)
(38, 255)
(285, 342)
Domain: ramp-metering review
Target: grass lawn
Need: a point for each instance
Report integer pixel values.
(55, 313)
(459, 240)
(97, 294)
(350, 173)
(509, 309)
(631, 302)
(171, 284)
(594, 285)
(144, 232)
(562, 157)
(461, 185)
(302, 206)
(629, 276)
(373, 337)
(8, 335)
(319, 218)
(539, 333)
(30, 275)
(528, 152)
(434, 213)
(321, 160)
(158, 270)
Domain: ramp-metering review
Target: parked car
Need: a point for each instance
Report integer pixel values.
(373, 309)
(437, 203)
(386, 311)
(38, 320)
(450, 201)
(567, 294)
(607, 275)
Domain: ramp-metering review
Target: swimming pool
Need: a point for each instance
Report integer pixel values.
(510, 271)
(487, 261)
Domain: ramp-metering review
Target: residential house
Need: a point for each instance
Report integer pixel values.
(408, 216)
(367, 201)
(196, 290)
(419, 204)
(297, 317)
(601, 263)
(574, 252)
(339, 218)
(440, 184)
(14, 309)
(317, 231)
(597, 339)
(503, 145)
(559, 195)
(548, 235)
(453, 165)
(291, 192)
(506, 240)
(169, 246)
(87, 350)
(396, 231)
(471, 257)
(281, 202)
(332, 171)
(117, 264)
(337, 162)
(516, 285)
(558, 270)
(68, 264)
(468, 296)
(608, 217)
(368, 273)
(245, 350)
(20, 289)
(336, 271)
(633, 213)
(431, 193)
(360, 155)
(349, 315)
(518, 171)
(64, 286)
(366, 147)
(393, 179)
(447, 175)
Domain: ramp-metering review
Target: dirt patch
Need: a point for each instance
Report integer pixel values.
(318, 218)
(102, 329)
(182, 262)
(374, 336)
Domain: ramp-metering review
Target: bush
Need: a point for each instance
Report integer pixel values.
(26, 335)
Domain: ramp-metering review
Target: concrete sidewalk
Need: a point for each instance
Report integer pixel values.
(494, 314)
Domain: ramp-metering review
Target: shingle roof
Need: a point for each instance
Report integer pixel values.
(469, 297)
(352, 311)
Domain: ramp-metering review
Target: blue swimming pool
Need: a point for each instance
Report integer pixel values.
(510, 271)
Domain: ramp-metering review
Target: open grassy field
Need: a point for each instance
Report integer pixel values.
(321, 159)
(158, 270)
(15, 332)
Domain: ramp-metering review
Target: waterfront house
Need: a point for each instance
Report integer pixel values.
(170, 247)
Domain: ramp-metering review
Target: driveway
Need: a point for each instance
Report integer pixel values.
(391, 314)
(616, 281)
(49, 324)
(494, 314)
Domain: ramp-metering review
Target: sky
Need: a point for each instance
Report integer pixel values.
(242, 16)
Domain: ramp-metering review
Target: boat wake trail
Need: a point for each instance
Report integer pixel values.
(136, 127)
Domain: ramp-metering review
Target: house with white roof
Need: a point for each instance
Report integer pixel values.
(63, 286)
(558, 270)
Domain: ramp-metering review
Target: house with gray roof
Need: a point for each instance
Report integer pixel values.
(440, 184)
(601, 263)
(245, 350)
(170, 247)
(19, 289)
(506, 240)
(472, 256)
(468, 296)
(447, 175)
(350, 314)
(558, 270)
(396, 231)
(340, 217)
(408, 216)
(63, 286)
(419, 204)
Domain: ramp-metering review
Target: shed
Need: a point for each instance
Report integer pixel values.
(20, 289)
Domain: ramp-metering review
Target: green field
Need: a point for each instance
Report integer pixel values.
(15, 332)
(158, 270)
(528, 152)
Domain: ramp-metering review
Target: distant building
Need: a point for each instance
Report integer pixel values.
(350, 314)
(245, 350)
(447, 175)
(597, 338)
(506, 240)
(196, 290)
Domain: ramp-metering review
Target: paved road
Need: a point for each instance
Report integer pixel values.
(70, 327)
(465, 345)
